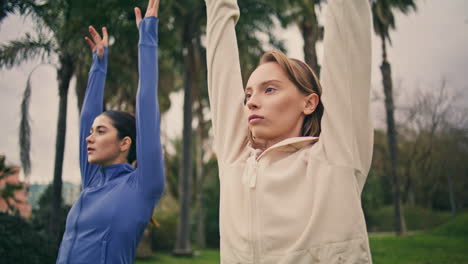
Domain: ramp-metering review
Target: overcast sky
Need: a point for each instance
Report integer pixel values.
(428, 45)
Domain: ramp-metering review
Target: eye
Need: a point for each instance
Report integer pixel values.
(100, 131)
(247, 96)
(269, 90)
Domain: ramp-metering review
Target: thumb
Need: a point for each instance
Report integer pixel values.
(137, 16)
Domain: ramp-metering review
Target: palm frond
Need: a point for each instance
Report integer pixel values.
(383, 15)
(14, 6)
(25, 129)
(24, 49)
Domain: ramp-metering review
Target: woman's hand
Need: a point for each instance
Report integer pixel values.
(152, 10)
(97, 44)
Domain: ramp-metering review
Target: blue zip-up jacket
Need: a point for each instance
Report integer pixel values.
(106, 222)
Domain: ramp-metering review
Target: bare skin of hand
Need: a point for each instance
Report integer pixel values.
(97, 44)
(151, 11)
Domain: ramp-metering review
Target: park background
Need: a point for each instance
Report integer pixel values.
(428, 58)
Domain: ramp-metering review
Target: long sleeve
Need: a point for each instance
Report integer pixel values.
(347, 131)
(150, 171)
(225, 80)
(92, 107)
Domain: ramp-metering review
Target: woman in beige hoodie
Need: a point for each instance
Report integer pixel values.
(293, 159)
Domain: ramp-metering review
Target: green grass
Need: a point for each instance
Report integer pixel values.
(419, 249)
(208, 256)
(446, 244)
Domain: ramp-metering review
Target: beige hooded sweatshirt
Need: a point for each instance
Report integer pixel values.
(299, 200)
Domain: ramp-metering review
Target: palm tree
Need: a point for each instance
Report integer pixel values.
(311, 30)
(384, 21)
(191, 29)
(55, 39)
(60, 24)
(303, 13)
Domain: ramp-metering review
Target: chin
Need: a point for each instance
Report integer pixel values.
(262, 134)
(92, 161)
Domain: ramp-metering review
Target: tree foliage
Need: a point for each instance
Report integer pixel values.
(21, 244)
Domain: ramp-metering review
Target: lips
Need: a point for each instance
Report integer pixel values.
(90, 150)
(253, 119)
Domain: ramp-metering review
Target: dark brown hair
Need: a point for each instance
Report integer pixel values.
(126, 127)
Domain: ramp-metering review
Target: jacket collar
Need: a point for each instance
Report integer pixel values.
(288, 145)
(115, 171)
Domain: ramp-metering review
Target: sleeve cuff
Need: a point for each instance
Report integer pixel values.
(99, 64)
(149, 31)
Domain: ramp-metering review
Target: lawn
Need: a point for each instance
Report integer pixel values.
(447, 244)
(419, 249)
(209, 256)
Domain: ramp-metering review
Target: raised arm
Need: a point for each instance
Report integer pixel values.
(93, 102)
(347, 131)
(150, 171)
(224, 80)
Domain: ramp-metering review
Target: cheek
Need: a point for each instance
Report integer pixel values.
(284, 109)
(108, 144)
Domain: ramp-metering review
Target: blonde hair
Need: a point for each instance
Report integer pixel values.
(304, 78)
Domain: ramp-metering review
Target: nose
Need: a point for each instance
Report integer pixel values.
(90, 138)
(253, 102)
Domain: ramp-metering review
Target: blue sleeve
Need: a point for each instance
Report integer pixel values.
(92, 107)
(150, 171)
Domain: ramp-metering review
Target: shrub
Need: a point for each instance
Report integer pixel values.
(456, 227)
(417, 218)
(19, 243)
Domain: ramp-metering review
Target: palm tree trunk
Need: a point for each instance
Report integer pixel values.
(182, 246)
(81, 83)
(311, 32)
(64, 75)
(399, 221)
(200, 235)
(201, 135)
(451, 190)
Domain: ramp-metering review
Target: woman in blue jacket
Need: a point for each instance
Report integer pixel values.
(106, 222)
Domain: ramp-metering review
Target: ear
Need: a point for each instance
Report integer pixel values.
(311, 102)
(125, 144)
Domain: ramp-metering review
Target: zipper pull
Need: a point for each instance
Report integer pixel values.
(253, 175)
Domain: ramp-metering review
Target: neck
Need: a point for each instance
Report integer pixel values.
(118, 160)
(263, 144)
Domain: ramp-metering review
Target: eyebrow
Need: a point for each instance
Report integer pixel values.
(98, 127)
(263, 84)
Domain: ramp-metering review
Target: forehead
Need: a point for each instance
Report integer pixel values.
(103, 120)
(266, 72)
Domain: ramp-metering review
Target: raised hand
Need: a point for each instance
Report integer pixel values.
(152, 10)
(97, 44)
